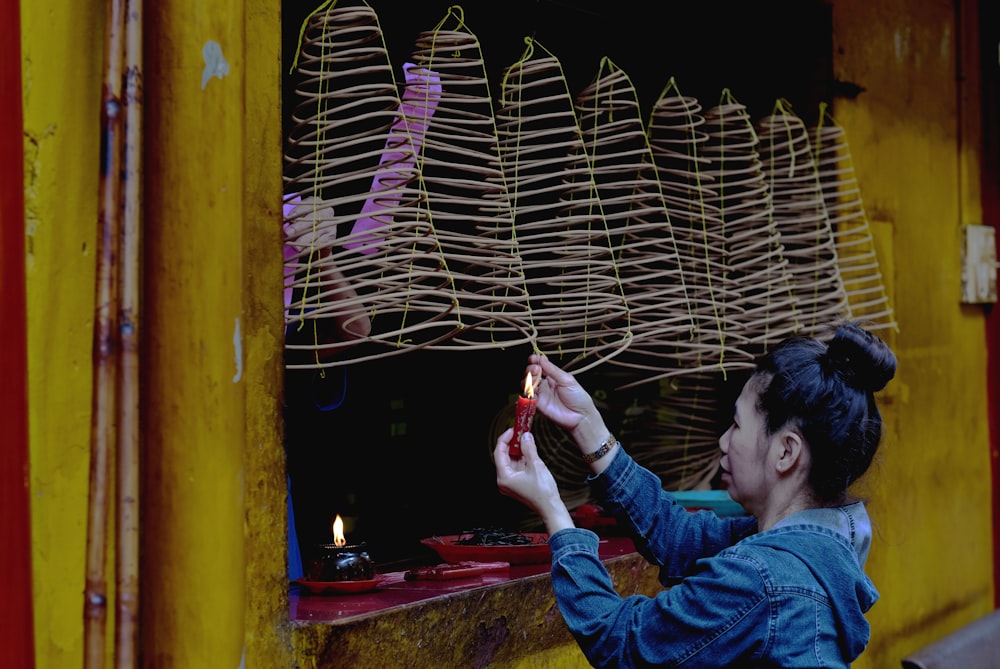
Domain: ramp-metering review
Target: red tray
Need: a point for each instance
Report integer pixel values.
(338, 587)
(537, 552)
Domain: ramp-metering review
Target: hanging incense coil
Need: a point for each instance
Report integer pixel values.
(577, 300)
(852, 236)
(365, 274)
(757, 268)
(677, 139)
(650, 267)
(801, 219)
(676, 433)
(467, 199)
(648, 261)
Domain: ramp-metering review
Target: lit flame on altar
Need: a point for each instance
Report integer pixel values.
(338, 532)
(529, 388)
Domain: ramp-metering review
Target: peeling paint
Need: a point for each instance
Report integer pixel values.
(238, 352)
(901, 44)
(32, 192)
(215, 63)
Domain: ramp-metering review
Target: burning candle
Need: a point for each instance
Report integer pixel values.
(339, 561)
(524, 412)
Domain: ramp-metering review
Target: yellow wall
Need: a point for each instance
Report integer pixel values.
(212, 354)
(932, 557)
(194, 334)
(61, 48)
(214, 486)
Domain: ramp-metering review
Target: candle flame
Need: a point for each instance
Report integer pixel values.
(529, 388)
(338, 531)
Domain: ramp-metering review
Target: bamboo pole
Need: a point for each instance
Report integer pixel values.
(129, 320)
(105, 354)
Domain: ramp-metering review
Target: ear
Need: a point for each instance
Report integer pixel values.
(790, 450)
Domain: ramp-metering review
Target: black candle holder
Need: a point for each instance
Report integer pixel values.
(341, 563)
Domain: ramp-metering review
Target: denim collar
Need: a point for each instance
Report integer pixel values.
(850, 521)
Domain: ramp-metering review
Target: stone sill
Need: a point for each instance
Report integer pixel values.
(482, 621)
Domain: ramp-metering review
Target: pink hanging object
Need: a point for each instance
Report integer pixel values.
(406, 137)
(404, 143)
(290, 251)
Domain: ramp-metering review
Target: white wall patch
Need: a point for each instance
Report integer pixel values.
(238, 351)
(215, 63)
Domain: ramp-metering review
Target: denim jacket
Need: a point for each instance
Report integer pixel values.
(792, 596)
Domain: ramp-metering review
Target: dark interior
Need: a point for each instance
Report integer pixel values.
(401, 446)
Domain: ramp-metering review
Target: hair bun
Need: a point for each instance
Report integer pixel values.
(862, 359)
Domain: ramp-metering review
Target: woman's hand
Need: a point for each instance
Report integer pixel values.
(530, 482)
(566, 403)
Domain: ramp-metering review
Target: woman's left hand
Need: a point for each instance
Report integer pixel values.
(528, 480)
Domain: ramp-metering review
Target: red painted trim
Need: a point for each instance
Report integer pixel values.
(993, 397)
(989, 15)
(17, 646)
(993, 393)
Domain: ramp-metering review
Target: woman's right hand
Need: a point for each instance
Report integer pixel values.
(566, 403)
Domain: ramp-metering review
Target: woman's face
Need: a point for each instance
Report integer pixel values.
(744, 451)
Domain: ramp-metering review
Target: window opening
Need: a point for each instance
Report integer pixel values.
(400, 446)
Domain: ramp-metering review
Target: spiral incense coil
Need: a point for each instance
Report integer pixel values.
(757, 267)
(467, 197)
(856, 256)
(677, 139)
(577, 300)
(676, 434)
(366, 274)
(801, 219)
(647, 257)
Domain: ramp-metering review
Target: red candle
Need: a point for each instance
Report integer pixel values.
(523, 414)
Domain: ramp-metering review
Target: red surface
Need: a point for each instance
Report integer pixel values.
(17, 647)
(537, 552)
(338, 587)
(989, 21)
(395, 591)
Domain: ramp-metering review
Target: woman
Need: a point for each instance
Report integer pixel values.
(784, 587)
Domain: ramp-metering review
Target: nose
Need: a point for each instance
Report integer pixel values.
(724, 441)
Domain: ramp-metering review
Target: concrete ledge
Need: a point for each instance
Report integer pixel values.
(973, 646)
(491, 626)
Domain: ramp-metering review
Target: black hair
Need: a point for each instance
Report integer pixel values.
(826, 390)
